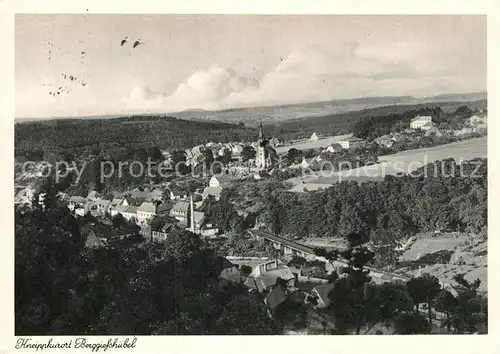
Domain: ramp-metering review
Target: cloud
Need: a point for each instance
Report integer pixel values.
(313, 74)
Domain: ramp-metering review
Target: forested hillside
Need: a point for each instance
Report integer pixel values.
(77, 136)
(338, 124)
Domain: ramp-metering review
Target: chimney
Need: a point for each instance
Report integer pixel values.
(192, 213)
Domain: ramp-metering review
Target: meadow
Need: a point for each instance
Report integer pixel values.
(404, 161)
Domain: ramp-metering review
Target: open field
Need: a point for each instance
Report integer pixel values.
(304, 145)
(404, 161)
(469, 257)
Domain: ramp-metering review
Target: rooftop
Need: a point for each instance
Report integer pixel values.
(147, 207)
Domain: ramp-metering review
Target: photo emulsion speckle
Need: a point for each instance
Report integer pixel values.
(250, 175)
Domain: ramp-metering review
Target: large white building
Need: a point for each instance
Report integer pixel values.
(421, 122)
(351, 143)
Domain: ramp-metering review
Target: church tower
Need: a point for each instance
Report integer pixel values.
(261, 160)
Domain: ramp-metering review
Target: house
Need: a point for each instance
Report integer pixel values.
(266, 276)
(213, 191)
(219, 180)
(312, 163)
(275, 142)
(93, 195)
(115, 203)
(230, 272)
(321, 292)
(433, 131)
(145, 212)
(198, 219)
(180, 211)
(421, 122)
(477, 121)
(313, 137)
(209, 230)
(100, 206)
(177, 194)
(24, 196)
(127, 211)
(236, 150)
(77, 202)
(139, 194)
(154, 195)
(333, 148)
(352, 143)
(275, 298)
(385, 141)
(464, 131)
(160, 235)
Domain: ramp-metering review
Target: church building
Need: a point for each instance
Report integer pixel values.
(264, 152)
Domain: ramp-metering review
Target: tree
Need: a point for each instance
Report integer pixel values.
(225, 158)
(183, 245)
(407, 323)
(424, 289)
(470, 312)
(446, 302)
(247, 153)
(246, 315)
(353, 301)
(155, 154)
(294, 155)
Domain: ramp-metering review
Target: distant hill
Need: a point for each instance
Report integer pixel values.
(278, 114)
(343, 123)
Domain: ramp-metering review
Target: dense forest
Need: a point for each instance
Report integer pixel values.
(86, 136)
(130, 286)
(450, 197)
(125, 287)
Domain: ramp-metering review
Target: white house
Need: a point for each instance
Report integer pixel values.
(180, 211)
(100, 206)
(478, 122)
(116, 202)
(333, 148)
(214, 191)
(219, 180)
(421, 122)
(313, 137)
(145, 212)
(351, 143)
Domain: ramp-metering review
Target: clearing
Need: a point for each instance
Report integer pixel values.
(404, 161)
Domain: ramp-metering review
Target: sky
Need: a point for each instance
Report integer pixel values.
(226, 61)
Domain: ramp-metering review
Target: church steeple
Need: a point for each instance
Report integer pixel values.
(261, 131)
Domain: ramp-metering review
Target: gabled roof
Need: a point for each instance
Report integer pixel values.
(222, 178)
(198, 216)
(420, 117)
(92, 195)
(181, 206)
(352, 139)
(275, 297)
(147, 207)
(104, 203)
(115, 202)
(129, 209)
(215, 191)
(322, 291)
(78, 199)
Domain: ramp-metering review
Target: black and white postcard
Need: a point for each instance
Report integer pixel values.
(265, 173)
